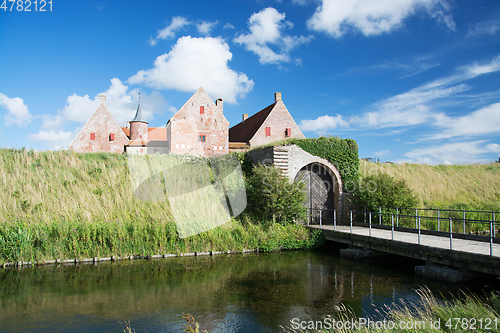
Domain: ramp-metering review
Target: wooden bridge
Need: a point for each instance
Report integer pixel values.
(465, 252)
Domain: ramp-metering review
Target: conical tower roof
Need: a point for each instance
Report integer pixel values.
(139, 117)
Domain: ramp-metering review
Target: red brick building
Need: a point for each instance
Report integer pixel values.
(100, 133)
(271, 124)
(198, 128)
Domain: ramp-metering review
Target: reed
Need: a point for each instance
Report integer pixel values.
(61, 204)
(427, 314)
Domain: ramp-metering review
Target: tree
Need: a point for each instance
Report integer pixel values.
(271, 195)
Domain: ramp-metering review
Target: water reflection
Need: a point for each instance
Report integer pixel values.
(236, 293)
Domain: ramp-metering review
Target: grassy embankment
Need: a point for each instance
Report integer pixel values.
(57, 205)
(470, 187)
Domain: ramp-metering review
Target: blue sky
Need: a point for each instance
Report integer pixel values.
(409, 80)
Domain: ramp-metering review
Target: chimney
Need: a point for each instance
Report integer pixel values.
(245, 116)
(277, 97)
(102, 99)
(219, 103)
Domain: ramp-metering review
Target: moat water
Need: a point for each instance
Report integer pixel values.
(225, 293)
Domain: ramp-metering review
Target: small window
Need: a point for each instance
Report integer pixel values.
(288, 132)
(112, 137)
(268, 131)
(202, 109)
(92, 136)
(202, 138)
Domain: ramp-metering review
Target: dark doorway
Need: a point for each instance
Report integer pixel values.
(320, 192)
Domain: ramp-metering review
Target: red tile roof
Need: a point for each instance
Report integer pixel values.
(157, 133)
(126, 131)
(244, 131)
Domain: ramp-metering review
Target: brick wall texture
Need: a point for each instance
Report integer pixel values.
(99, 127)
(199, 128)
(278, 121)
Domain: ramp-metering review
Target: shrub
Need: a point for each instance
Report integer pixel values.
(270, 195)
(382, 190)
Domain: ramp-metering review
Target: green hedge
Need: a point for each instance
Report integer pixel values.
(343, 153)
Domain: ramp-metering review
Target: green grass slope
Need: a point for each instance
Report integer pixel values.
(57, 205)
(470, 187)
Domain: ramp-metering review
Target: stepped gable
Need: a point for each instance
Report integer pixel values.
(101, 133)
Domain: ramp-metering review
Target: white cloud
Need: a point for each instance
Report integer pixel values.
(419, 105)
(17, 111)
(322, 123)
(382, 153)
(488, 28)
(266, 28)
(205, 27)
(406, 109)
(194, 63)
(301, 2)
(51, 122)
(455, 153)
(121, 103)
(336, 17)
(54, 139)
(480, 122)
(177, 23)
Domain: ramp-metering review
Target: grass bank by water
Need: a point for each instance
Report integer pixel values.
(57, 205)
(469, 187)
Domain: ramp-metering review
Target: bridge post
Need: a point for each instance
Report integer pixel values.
(334, 219)
(464, 221)
(494, 224)
(491, 238)
(370, 216)
(392, 229)
(416, 217)
(380, 215)
(419, 231)
(320, 217)
(397, 216)
(438, 219)
(351, 220)
(451, 234)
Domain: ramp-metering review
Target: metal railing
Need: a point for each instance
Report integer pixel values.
(437, 220)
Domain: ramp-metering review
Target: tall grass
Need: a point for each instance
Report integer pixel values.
(469, 187)
(61, 204)
(428, 314)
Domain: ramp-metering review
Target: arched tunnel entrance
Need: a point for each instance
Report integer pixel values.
(320, 191)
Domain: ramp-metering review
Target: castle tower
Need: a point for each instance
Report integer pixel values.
(139, 125)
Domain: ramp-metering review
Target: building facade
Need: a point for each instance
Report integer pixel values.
(271, 124)
(198, 128)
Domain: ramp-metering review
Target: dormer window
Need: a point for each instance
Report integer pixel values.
(202, 109)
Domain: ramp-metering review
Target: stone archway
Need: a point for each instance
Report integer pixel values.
(320, 192)
(292, 160)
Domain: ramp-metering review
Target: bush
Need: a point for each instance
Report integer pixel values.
(270, 195)
(382, 190)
